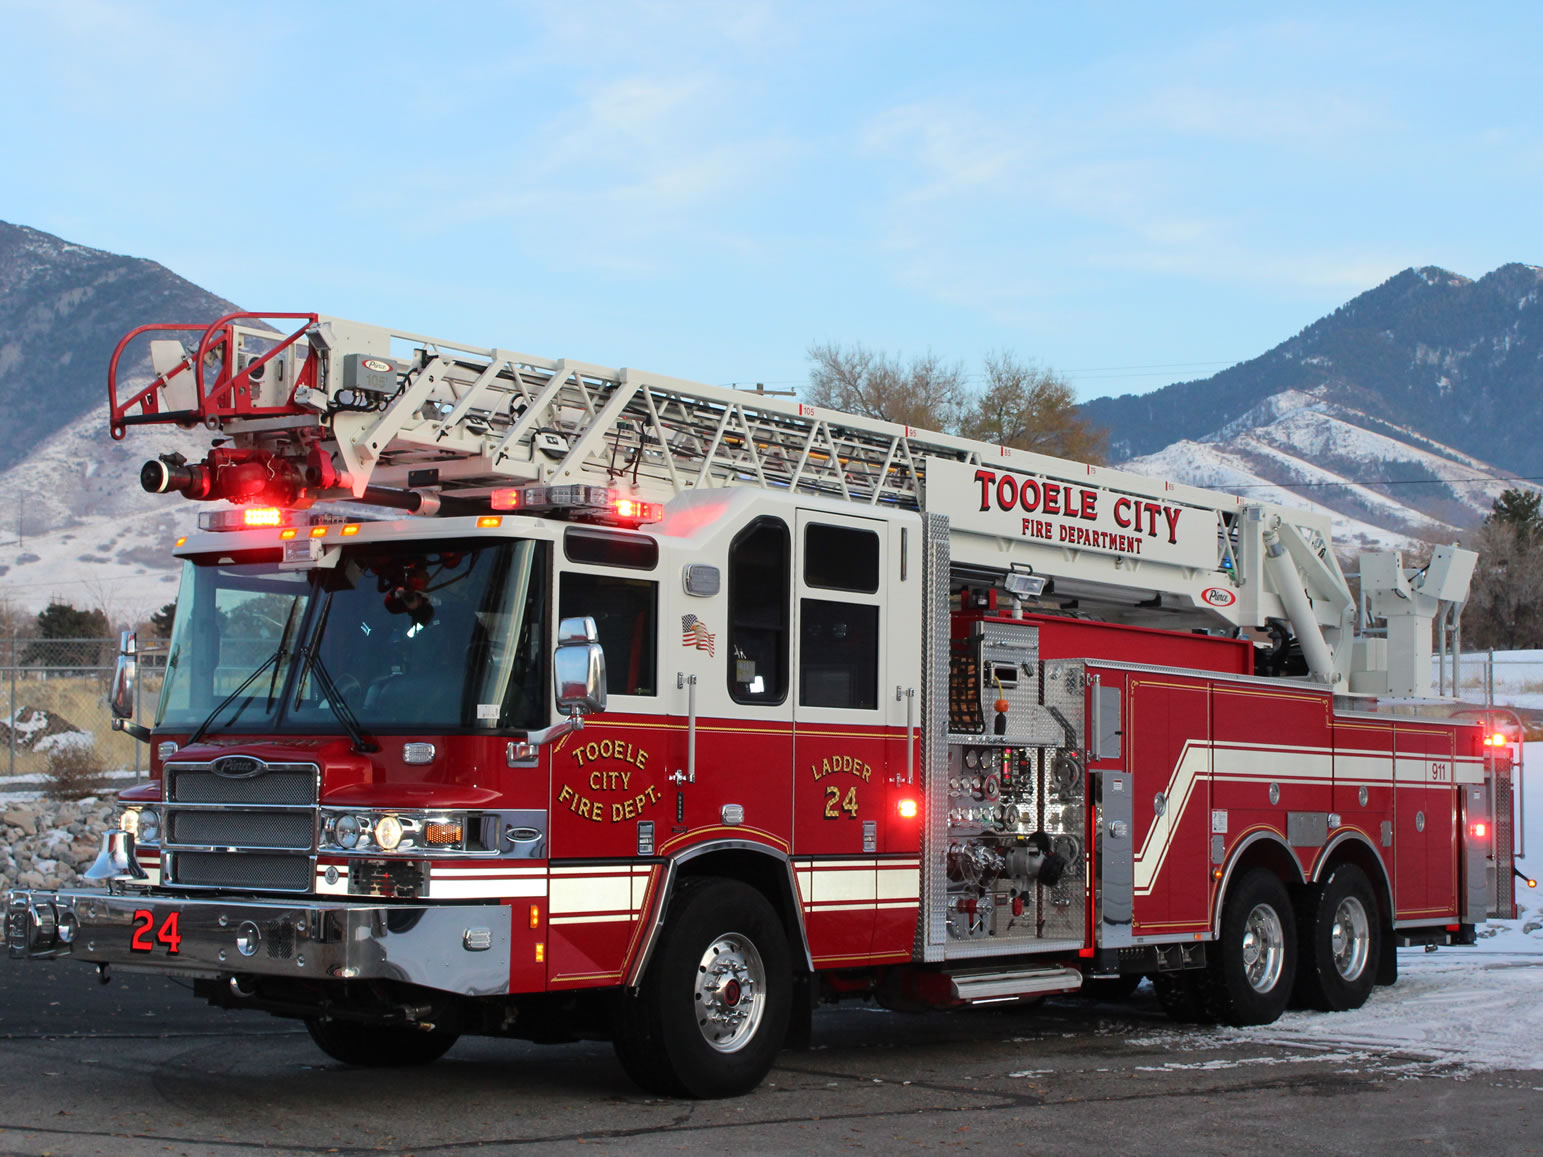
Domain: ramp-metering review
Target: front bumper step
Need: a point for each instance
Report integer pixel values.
(455, 948)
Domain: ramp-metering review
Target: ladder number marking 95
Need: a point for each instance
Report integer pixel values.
(835, 805)
(167, 934)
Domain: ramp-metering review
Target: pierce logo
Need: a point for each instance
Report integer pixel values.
(239, 766)
(376, 365)
(1218, 596)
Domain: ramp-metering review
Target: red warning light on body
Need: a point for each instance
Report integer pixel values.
(262, 516)
(634, 511)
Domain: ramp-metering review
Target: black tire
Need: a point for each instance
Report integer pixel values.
(1250, 975)
(712, 1011)
(1182, 995)
(377, 1046)
(1341, 942)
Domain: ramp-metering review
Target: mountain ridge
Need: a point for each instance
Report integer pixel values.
(63, 307)
(1450, 358)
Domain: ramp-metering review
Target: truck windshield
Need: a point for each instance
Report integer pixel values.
(447, 635)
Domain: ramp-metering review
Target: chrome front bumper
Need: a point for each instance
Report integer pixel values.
(451, 947)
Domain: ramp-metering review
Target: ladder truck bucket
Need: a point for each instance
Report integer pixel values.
(239, 367)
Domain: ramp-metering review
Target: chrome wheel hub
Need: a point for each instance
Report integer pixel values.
(1350, 938)
(1264, 948)
(730, 980)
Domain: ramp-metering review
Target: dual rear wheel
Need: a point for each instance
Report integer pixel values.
(1323, 952)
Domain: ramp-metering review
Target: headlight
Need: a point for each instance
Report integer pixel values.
(388, 833)
(345, 831)
(149, 826)
(366, 831)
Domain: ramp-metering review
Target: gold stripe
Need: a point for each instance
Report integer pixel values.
(737, 828)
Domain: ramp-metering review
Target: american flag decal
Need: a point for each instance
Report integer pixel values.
(694, 633)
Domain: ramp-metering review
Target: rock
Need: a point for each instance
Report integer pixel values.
(22, 818)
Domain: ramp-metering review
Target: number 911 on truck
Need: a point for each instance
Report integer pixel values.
(533, 698)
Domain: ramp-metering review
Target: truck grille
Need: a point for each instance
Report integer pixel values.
(243, 829)
(283, 783)
(222, 830)
(248, 871)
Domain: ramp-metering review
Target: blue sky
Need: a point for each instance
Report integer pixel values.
(1130, 194)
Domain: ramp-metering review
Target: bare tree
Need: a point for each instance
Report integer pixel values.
(926, 393)
(1029, 407)
(1505, 601)
(1023, 405)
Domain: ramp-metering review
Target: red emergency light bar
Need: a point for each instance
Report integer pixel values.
(597, 503)
(258, 517)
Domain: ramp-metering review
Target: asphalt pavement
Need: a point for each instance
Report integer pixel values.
(139, 1066)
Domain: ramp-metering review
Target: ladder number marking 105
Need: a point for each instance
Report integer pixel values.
(1438, 771)
(167, 934)
(835, 805)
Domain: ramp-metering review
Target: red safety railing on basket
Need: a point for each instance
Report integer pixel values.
(230, 395)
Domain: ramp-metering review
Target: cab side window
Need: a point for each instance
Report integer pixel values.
(759, 561)
(626, 614)
(838, 641)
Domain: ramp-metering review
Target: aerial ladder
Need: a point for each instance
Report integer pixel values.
(309, 408)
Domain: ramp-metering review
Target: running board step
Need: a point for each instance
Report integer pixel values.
(1002, 984)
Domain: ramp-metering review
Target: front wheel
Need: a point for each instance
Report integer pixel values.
(1341, 943)
(1250, 976)
(712, 1010)
(379, 1046)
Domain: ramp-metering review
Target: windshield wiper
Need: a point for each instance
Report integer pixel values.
(274, 660)
(340, 708)
(329, 688)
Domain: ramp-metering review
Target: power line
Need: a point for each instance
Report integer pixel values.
(1382, 482)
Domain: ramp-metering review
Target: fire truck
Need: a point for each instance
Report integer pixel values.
(534, 698)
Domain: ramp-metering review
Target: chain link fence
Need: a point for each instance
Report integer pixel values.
(56, 694)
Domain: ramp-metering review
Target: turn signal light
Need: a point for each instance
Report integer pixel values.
(441, 832)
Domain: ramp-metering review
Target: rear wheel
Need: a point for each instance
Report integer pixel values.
(1341, 943)
(712, 1010)
(1182, 995)
(379, 1046)
(1250, 976)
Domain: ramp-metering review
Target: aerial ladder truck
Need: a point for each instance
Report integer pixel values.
(530, 697)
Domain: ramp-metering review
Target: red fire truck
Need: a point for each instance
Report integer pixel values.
(534, 698)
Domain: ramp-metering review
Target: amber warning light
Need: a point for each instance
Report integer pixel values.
(594, 503)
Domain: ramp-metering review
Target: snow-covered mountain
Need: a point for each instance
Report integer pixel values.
(1348, 416)
(1383, 484)
(1427, 355)
(77, 527)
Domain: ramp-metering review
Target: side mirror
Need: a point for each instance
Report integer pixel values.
(579, 667)
(124, 675)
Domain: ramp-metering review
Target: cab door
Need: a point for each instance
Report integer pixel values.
(840, 741)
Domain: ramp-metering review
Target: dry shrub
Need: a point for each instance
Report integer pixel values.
(74, 771)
